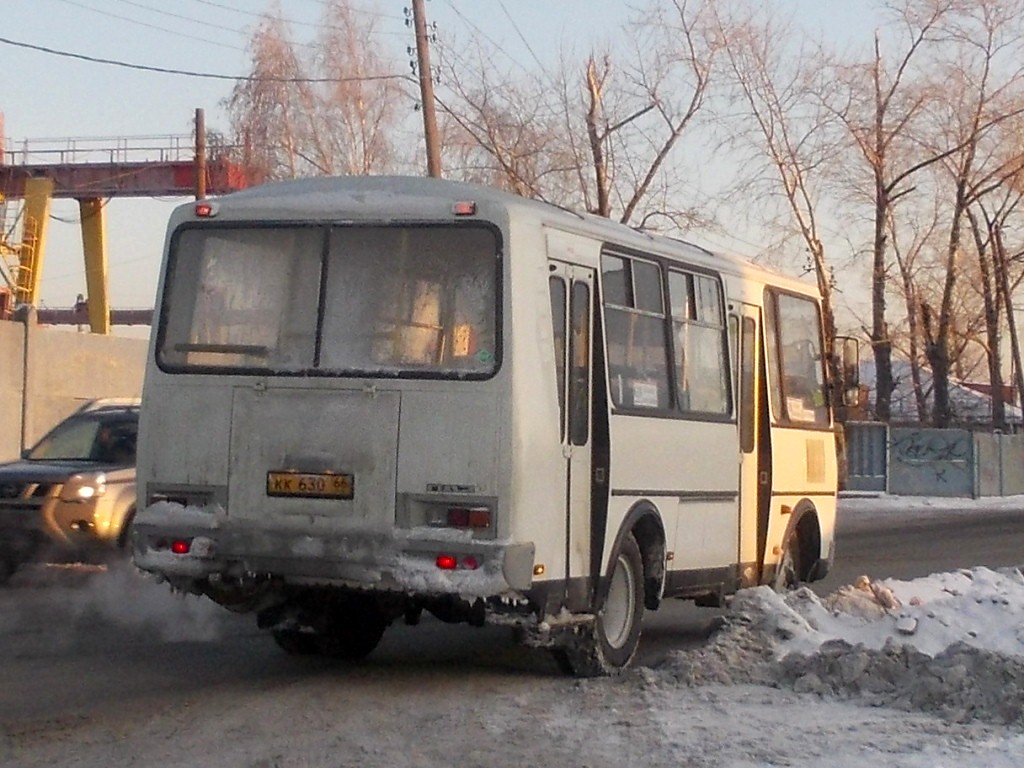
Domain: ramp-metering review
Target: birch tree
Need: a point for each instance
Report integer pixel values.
(329, 107)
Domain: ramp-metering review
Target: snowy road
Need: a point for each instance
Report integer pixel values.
(106, 669)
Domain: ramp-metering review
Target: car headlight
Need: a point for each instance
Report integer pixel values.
(85, 487)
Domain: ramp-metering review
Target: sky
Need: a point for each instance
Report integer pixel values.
(925, 673)
(46, 96)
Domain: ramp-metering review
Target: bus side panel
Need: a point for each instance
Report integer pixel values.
(808, 471)
(687, 469)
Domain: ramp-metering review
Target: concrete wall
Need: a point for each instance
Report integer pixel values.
(48, 372)
(1000, 464)
(12, 379)
(931, 462)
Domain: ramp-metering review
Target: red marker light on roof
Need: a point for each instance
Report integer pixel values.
(181, 546)
(464, 208)
(447, 562)
(205, 209)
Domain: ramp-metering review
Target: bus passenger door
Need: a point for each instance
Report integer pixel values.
(572, 301)
(755, 444)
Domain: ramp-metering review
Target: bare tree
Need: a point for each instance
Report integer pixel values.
(921, 233)
(327, 108)
(982, 78)
(529, 130)
(264, 109)
(784, 94)
(880, 106)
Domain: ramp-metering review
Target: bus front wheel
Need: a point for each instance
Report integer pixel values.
(787, 572)
(608, 645)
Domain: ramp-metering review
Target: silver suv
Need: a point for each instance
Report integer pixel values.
(74, 491)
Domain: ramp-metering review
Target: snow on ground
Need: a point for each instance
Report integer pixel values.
(927, 673)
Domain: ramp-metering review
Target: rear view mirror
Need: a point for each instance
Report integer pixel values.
(849, 364)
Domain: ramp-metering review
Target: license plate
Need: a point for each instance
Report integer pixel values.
(310, 485)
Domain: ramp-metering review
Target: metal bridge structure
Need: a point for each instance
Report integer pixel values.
(93, 171)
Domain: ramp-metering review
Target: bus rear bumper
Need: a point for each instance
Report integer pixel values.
(188, 545)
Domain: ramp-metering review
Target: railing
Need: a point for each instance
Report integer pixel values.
(103, 149)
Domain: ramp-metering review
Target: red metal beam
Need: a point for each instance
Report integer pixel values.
(135, 179)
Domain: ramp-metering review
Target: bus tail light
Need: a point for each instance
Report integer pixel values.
(451, 562)
(469, 517)
(181, 546)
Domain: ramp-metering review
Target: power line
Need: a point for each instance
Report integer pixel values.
(189, 73)
(312, 24)
(152, 26)
(519, 32)
(190, 19)
(494, 43)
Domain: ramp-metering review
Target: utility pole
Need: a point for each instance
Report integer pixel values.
(200, 154)
(419, 20)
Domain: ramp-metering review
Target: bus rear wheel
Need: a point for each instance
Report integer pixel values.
(348, 630)
(609, 644)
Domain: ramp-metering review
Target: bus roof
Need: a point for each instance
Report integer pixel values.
(330, 198)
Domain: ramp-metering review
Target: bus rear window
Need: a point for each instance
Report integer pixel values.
(392, 301)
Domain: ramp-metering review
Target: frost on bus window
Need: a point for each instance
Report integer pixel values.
(798, 394)
(242, 298)
(402, 300)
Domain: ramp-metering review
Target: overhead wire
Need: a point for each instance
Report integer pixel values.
(190, 19)
(152, 26)
(191, 73)
(519, 32)
(314, 25)
(494, 43)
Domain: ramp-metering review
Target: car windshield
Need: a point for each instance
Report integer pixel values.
(89, 438)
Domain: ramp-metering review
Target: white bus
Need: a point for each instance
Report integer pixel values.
(370, 396)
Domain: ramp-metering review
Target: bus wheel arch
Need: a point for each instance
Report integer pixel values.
(634, 580)
(649, 533)
(644, 523)
(800, 549)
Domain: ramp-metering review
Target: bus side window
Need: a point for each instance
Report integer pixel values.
(635, 332)
(794, 337)
(556, 286)
(579, 364)
(698, 323)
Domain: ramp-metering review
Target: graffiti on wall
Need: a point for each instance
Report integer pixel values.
(926, 446)
(926, 460)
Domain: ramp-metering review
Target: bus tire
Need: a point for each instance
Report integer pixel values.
(352, 628)
(297, 643)
(354, 641)
(608, 645)
(787, 572)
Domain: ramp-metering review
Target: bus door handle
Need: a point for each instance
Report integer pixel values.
(762, 478)
(599, 475)
(566, 451)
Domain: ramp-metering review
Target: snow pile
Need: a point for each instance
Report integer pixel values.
(950, 644)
